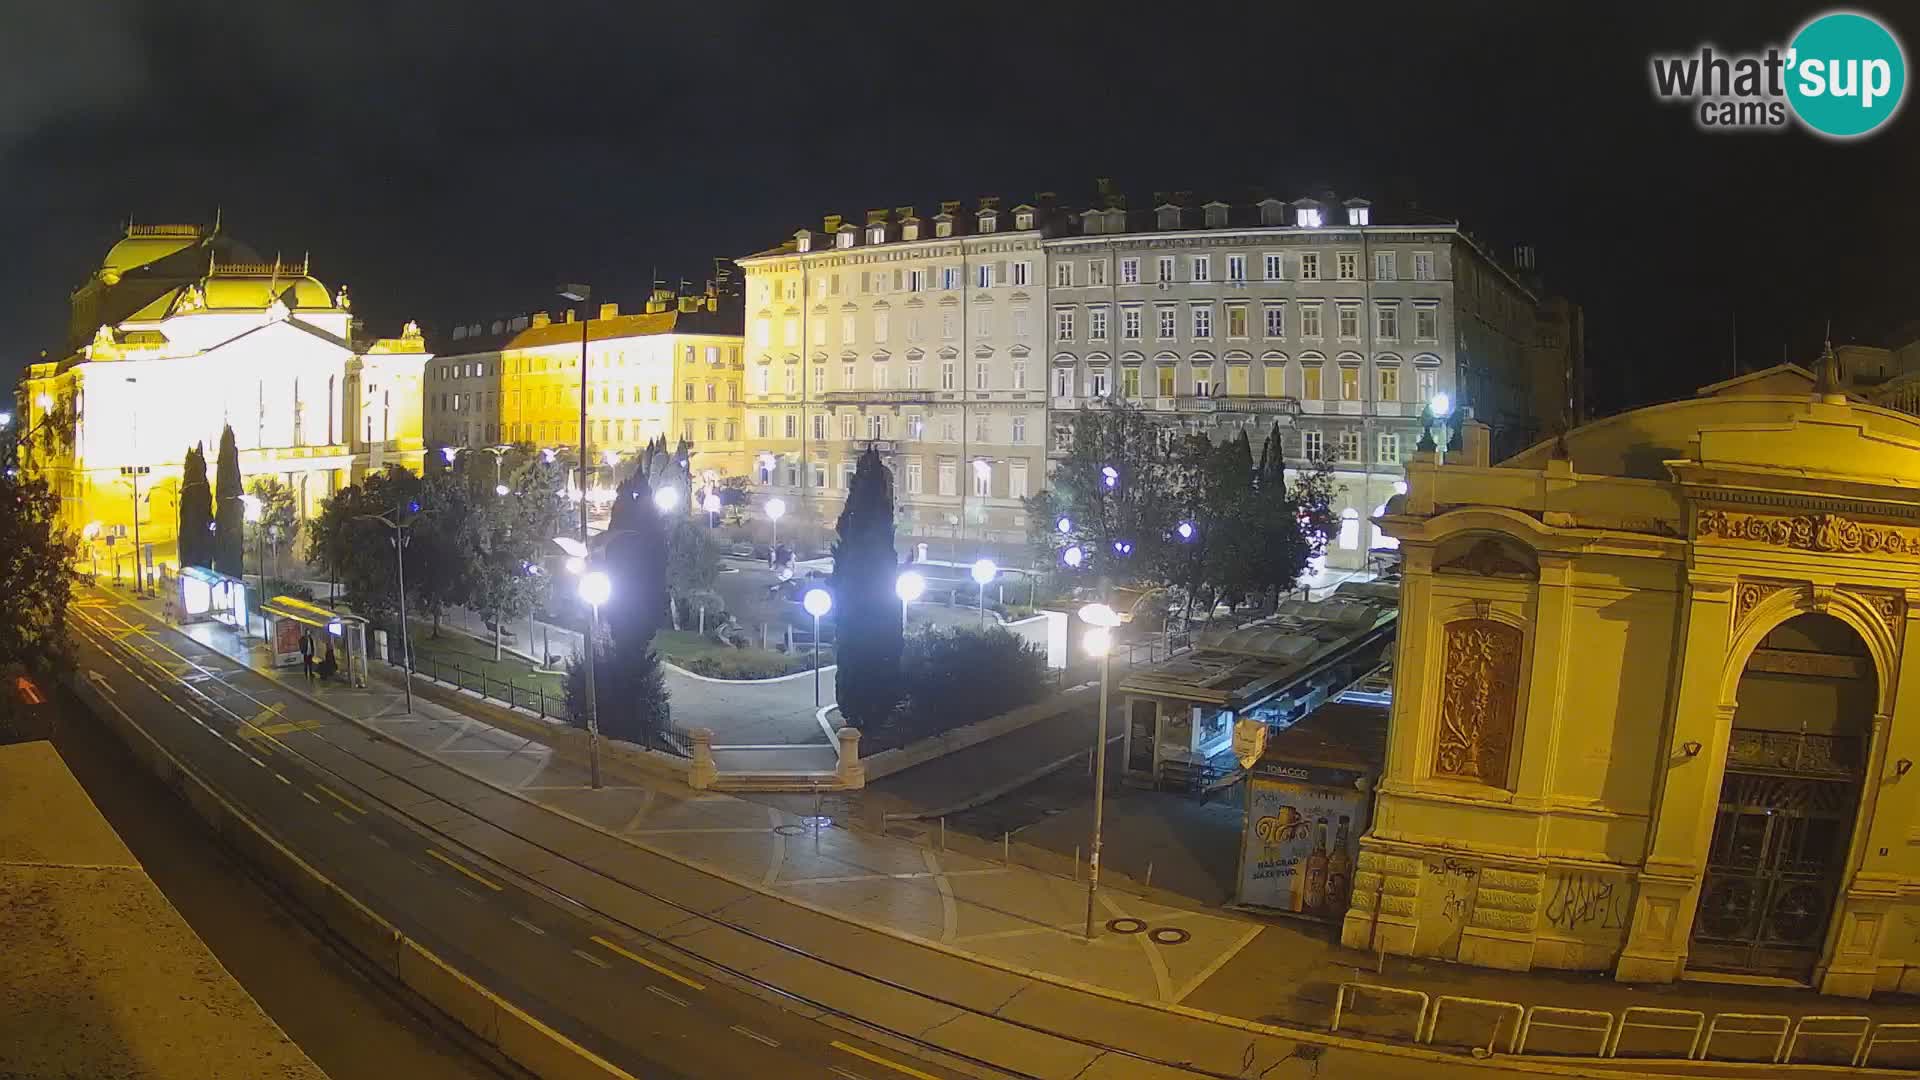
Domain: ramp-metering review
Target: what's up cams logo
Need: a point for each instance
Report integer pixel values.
(1843, 76)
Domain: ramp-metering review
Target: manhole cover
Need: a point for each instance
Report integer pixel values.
(1169, 935)
(790, 830)
(1126, 926)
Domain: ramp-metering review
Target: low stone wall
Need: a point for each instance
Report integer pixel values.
(523, 1039)
(888, 762)
(567, 742)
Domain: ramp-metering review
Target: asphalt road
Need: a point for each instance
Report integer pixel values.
(267, 751)
(350, 1023)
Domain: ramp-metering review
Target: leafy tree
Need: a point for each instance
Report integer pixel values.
(736, 500)
(504, 580)
(630, 690)
(229, 513)
(693, 561)
(866, 611)
(1122, 522)
(358, 552)
(439, 553)
(36, 556)
(196, 510)
(279, 514)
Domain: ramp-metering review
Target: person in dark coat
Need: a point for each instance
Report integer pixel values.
(328, 665)
(306, 654)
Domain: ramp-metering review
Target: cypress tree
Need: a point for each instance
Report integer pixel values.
(631, 698)
(866, 612)
(196, 510)
(229, 513)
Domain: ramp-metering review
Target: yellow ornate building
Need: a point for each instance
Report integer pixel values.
(674, 369)
(182, 331)
(1651, 709)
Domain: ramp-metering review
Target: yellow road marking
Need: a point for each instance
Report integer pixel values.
(274, 731)
(341, 799)
(878, 1060)
(646, 963)
(463, 870)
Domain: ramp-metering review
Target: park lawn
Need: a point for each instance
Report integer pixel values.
(475, 659)
(697, 654)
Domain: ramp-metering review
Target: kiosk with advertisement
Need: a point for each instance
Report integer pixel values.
(1308, 799)
(288, 618)
(203, 595)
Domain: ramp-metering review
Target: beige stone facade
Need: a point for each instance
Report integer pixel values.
(1651, 714)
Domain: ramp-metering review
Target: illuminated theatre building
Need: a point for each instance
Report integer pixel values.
(1652, 710)
(182, 331)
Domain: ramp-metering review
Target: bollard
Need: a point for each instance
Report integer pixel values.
(1006, 849)
(1149, 882)
(702, 774)
(1076, 862)
(943, 832)
(851, 774)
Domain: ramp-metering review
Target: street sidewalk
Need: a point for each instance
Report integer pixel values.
(1010, 918)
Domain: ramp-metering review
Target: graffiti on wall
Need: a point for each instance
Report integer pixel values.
(1584, 903)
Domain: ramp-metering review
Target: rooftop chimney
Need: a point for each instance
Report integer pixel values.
(877, 217)
(541, 318)
(569, 315)
(609, 311)
(830, 223)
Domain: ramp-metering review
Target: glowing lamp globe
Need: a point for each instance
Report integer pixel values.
(666, 498)
(1441, 404)
(596, 587)
(817, 602)
(984, 570)
(501, 489)
(1185, 530)
(776, 508)
(909, 586)
(1098, 641)
(1072, 556)
(1065, 525)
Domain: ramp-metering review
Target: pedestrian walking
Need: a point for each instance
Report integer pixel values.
(306, 654)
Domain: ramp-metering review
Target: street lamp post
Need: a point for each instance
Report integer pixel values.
(401, 529)
(595, 588)
(774, 510)
(251, 503)
(132, 474)
(817, 602)
(983, 572)
(711, 504)
(580, 294)
(1099, 641)
(908, 587)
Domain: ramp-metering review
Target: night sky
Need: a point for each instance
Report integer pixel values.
(452, 160)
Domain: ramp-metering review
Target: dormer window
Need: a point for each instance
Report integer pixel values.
(1307, 217)
(843, 239)
(1169, 217)
(877, 234)
(910, 231)
(943, 228)
(803, 242)
(1023, 220)
(1273, 212)
(1216, 215)
(1359, 215)
(989, 222)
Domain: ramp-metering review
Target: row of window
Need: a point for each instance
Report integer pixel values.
(1128, 270)
(948, 372)
(1311, 385)
(1306, 266)
(982, 325)
(1273, 321)
(514, 365)
(555, 396)
(910, 475)
(880, 426)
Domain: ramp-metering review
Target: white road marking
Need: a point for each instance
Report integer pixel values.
(308, 795)
(755, 1036)
(378, 839)
(591, 959)
(344, 819)
(282, 779)
(527, 926)
(468, 893)
(657, 992)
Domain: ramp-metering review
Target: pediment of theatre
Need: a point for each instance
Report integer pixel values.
(284, 339)
(1817, 453)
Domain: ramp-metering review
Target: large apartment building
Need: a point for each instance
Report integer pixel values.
(922, 336)
(961, 345)
(673, 369)
(1338, 321)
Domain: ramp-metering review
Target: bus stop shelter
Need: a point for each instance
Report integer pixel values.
(288, 618)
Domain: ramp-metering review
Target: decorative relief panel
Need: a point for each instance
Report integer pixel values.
(1480, 686)
(1750, 593)
(1810, 532)
(1892, 608)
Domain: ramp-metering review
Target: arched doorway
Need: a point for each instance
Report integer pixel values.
(1795, 760)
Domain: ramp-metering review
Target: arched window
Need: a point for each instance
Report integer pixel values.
(1381, 539)
(1349, 529)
